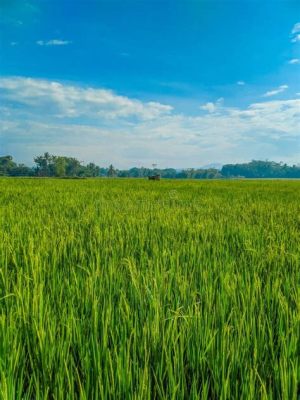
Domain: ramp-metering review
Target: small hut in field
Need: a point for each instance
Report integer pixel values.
(154, 177)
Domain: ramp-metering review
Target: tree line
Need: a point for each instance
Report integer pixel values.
(48, 165)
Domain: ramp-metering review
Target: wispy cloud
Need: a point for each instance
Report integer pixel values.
(240, 83)
(296, 28)
(296, 38)
(212, 107)
(53, 42)
(280, 89)
(294, 61)
(74, 101)
(295, 33)
(13, 43)
(102, 126)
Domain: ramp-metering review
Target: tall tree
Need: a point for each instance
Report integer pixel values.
(111, 171)
(43, 164)
(92, 170)
(6, 165)
(72, 166)
(60, 166)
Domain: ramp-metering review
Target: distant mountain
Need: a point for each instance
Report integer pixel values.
(213, 165)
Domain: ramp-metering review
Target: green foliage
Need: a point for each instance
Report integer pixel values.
(60, 166)
(129, 289)
(261, 169)
(48, 165)
(6, 164)
(92, 170)
(10, 168)
(111, 171)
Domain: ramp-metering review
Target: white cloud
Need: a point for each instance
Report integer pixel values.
(295, 33)
(53, 42)
(73, 101)
(280, 89)
(294, 61)
(296, 38)
(241, 83)
(296, 28)
(212, 107)
(99, 125)
(13, 43)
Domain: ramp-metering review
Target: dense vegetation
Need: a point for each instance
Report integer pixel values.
(131, 289)
(261, 169)
(48, 165)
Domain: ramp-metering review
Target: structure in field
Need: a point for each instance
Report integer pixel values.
(154, 177)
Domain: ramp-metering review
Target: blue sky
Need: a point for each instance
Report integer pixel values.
(177, 83)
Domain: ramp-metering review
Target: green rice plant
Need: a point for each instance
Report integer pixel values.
(132, 289)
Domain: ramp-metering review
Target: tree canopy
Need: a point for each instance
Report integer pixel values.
(47, 165)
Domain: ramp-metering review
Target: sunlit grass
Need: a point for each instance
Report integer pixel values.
(129, 289)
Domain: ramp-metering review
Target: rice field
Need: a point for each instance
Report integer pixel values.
(132, 289)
